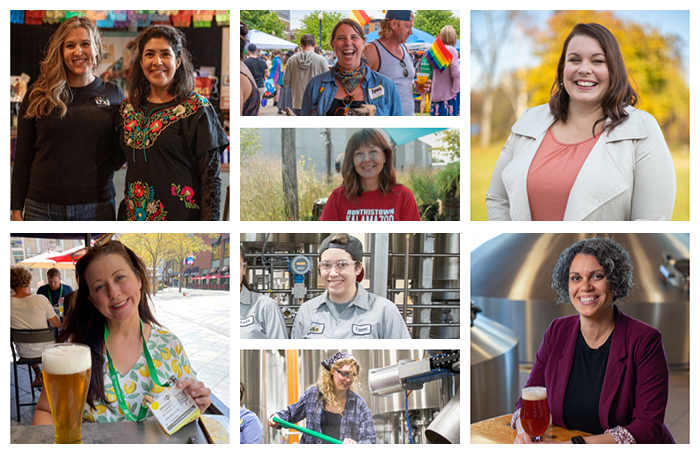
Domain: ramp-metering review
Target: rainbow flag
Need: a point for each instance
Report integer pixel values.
(438, 55)
(360, 17)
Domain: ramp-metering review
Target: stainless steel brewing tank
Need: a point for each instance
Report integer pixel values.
(263, 374)
(494, 369)
(512, 273)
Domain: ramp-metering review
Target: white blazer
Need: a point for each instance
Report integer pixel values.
(628, 175)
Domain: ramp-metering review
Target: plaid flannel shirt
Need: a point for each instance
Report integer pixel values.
(355, 423)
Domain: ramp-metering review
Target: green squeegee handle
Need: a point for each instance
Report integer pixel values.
(315, 434)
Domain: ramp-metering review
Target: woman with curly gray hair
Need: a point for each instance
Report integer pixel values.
(605, 372)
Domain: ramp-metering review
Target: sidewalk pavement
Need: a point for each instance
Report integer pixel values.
(200, 319)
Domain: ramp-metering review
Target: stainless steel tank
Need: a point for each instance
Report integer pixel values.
(511, 278)
(494, 369)
(262, 373)
(444, 429)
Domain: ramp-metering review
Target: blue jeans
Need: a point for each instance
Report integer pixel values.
(96, 211)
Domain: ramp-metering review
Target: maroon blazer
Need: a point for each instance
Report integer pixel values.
(635, 388)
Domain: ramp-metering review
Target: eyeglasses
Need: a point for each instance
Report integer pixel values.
(405, 70)
(327, 266)
(347, 374)
(347, 101)
(373, 154)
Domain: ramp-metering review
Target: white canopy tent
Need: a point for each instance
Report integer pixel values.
(266, 41)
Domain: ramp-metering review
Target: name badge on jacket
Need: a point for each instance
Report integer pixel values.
(364, 329)
(245, 322)
(376, 92)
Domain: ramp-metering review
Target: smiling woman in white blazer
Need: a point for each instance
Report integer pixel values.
(625, 172)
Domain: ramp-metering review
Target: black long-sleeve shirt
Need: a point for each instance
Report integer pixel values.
(69, 160)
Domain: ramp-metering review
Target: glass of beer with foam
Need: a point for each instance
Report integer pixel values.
(534, 411)
(66, 370)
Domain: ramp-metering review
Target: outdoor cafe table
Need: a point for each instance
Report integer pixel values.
(146, 432)
(498, 431)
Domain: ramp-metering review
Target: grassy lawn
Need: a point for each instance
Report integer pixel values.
(483, 161)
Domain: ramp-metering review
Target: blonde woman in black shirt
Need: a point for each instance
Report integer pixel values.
(66, 153)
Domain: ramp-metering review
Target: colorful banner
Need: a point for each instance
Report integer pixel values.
(438, 55)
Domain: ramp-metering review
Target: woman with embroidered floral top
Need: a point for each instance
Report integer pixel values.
(112, 315)
(60, 172)
(331, 407)
(350, 83)
(171, 136)
(605, 372)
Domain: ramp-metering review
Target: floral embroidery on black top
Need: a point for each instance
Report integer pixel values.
(172, 152)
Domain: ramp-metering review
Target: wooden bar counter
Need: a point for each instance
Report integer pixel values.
(498, 431)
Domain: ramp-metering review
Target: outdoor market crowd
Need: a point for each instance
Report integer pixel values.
(357, 78)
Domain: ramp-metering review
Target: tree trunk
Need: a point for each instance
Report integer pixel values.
(289, 174)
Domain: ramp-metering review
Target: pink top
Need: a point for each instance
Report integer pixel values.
(552, 175)
(445, 84)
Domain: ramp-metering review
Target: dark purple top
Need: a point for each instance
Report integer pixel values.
(635, 389)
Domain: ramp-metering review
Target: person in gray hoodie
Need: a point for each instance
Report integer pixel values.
(301, 68)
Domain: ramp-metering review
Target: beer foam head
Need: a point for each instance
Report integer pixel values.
(534, 393)
(66, 359)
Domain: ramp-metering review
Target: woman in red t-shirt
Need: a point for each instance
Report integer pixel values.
(369, 191)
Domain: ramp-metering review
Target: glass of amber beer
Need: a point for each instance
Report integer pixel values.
(534, 412)
(66, 370)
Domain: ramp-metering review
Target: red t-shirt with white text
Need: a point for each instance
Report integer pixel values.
(398, 205)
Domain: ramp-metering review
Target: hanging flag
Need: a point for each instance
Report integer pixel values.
(438, 55)
(360, 17)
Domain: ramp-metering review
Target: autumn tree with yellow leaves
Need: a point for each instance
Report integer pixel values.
(652, 59)
(159, 248)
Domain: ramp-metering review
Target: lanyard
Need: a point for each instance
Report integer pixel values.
(60, 294)
(115, 379)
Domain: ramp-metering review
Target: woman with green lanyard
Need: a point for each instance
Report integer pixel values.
(132, 355)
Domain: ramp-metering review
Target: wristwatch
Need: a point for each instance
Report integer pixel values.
(578, 440)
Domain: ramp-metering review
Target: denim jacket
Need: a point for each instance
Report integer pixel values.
(378, 90)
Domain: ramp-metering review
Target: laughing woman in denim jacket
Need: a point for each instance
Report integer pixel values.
(350, 83)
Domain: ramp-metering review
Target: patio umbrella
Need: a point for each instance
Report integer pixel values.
(45, 261)
(69, 256)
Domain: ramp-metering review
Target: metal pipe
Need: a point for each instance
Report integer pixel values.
(405, 277)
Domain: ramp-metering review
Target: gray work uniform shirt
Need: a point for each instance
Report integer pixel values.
(368, 316)
(261, 317)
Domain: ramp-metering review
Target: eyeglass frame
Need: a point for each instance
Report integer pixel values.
(405, 69)
(347, 375)
(322, 267)
(346, 105)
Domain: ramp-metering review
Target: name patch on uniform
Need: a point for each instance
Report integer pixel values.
(317, 328)
(364, 329)
(247, 321)
(376, 92)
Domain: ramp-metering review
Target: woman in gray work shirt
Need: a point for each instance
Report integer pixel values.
(346, 309)
(260, 315)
